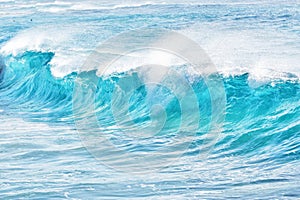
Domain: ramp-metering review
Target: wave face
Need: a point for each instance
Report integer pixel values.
(260, 130)
(255, 156)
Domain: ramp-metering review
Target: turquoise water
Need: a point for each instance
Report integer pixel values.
(256, 155)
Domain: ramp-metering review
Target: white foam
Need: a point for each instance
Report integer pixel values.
(232, 51)
(141, 58)
(248, 51)
(93, 6)
(67, 58)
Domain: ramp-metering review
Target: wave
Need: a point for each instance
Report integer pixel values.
(257, 119)
(53, 110)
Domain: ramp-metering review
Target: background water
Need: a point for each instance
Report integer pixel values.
(255, 47)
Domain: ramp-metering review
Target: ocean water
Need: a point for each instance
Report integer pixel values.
(150, 126)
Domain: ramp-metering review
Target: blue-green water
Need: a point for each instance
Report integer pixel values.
(255, 47)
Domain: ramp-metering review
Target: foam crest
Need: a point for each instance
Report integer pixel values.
(264, 55)
(59, 41)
